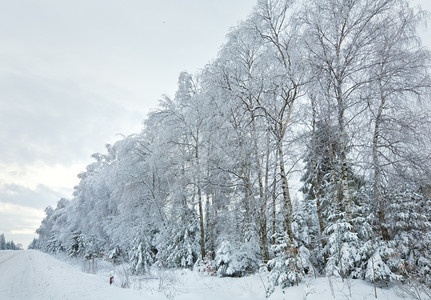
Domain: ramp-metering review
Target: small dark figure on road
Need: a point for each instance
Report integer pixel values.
(111, 278)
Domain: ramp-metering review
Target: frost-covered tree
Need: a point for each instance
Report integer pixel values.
(178, 245)
(8, 245)
(142, 256)
(377, 269)
(398, 77)
(282, 88)
(408, 216)
(2, 242)
(34, 244)
(341, 248)
(236, 259)
(290, 264)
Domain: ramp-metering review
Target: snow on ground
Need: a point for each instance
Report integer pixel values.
(36, 275)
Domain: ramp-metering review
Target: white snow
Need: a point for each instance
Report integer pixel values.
(36, 275)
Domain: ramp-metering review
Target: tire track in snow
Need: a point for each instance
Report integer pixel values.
(7, 257)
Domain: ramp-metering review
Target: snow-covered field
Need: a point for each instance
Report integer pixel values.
(36, 275)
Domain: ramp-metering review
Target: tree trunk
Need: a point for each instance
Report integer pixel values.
(198, 184)
(201, 223)
(212, 224)
(343, 154)
(261, 207)
(286, 195)
(316, 184)
(315, 172)
(335, 178)
(378, 173)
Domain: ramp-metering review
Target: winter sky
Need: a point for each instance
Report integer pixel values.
(76, 74)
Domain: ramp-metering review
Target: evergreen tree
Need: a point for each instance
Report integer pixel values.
(34, 244)
(142, 256)
(378, 267)
(236, 258)
(290, 264)
(178, 245)
(2, 242)
(410, 226)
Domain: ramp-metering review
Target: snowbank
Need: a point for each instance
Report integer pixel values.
(36, 275)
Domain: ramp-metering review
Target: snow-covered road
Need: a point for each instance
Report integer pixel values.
(36, 275)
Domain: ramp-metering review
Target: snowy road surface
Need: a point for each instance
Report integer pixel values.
(36, 275)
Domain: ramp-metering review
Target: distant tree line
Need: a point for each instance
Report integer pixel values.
(8, 245)
(303, 148)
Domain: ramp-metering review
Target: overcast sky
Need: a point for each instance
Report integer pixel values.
(75, 74)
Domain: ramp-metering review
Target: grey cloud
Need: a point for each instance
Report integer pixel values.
(39, 198)
(19, 223)
(51, 120)
(21, 210)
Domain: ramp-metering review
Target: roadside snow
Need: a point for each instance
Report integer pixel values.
(36, 275)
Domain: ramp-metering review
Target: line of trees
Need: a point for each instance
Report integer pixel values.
(329, 95)
(10, 245)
